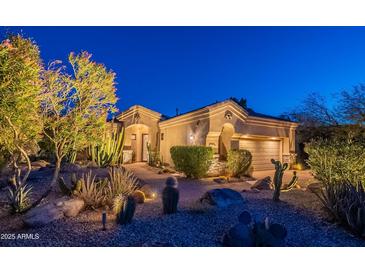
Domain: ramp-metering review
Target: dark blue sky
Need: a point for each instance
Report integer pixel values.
(164, 68)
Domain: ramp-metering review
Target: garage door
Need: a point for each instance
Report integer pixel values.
(262, 152)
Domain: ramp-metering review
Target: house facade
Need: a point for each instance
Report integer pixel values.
(223, 126)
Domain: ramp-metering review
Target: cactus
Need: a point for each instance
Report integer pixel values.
(139, 196)
(110, 152)
(124, 207)
(63, 187)
(249, 232)
(293, 182)
(278, 178)
(76, 185)
(170, 196)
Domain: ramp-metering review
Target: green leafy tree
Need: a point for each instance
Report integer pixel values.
(20, 87)
(75, 106)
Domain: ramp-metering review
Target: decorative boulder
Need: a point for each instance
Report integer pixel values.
(43, 215)
(222, 197)
(47, 213)
(40, 164)
(239, 235)
(72, 207)
(262, 184)
(139, 196)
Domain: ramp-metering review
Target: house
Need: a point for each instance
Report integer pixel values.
(223, 126)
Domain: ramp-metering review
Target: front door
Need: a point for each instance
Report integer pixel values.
(144, 147)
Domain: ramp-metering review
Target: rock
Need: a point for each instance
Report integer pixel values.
(220, 180)
(262, 184)
(314, 187)
(222, 197)
(148, 192)
(40, 164)
(254, 190)
(72, 207)
(239, 235)
(43, 215)
(50, 212)
(71, 168)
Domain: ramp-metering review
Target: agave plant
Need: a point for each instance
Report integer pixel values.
(110, 152)
(92, 192)
(121, 182)
(19, 197)
(346, 203)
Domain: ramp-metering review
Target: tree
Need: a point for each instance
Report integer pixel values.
(313, 112)
(20, 86)
(75, 106)
(242, 102)
(352, 105)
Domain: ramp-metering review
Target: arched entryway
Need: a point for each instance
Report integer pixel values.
(137, 137)
(225, 140)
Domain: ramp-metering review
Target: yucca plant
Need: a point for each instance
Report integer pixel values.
(110, 152)
(19, 197)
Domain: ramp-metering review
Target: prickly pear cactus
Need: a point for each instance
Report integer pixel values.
(278, 178)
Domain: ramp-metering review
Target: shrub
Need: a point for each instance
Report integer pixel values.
(346, 203)
(239, 162)
(194, 161)
(337, 161)
(121, 181)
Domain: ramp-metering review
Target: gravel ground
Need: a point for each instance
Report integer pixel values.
(194, 225)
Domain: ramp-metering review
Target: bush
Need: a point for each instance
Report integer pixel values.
(239, 162)
(194, 161)
(337, 161)
(346, 203)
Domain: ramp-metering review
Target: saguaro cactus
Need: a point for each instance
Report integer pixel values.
(278, 178)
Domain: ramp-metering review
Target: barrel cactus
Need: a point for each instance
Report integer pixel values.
(278, 178)
(170, 196)
(124, 207)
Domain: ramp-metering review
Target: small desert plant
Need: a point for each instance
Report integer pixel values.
(346, 203)
(92, 192)
(278, 178)
(110, 152)
(239, 162)
(170, 196)
(194, 161)
(337, 161)
(249, 232)
(19, 197)
(121, 181)
(153, 156)
(124, 207)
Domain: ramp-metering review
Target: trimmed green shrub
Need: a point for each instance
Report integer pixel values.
(194, 161)
(337, 161)
(239, 162)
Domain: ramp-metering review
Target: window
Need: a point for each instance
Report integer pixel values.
(133, 136)
(162, 136)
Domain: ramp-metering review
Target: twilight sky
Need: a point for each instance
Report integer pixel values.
(164, 68)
